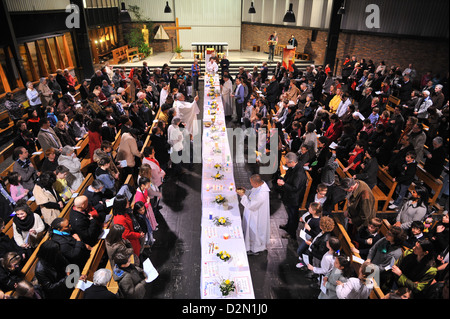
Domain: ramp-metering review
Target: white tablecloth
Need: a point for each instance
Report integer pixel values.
(216, 150)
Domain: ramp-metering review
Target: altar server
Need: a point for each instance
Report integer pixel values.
(256, 220)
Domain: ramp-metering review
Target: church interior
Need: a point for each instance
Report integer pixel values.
(102, 67)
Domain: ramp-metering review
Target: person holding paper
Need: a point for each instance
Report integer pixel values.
(311, 229)
(98, 289)
(28, 227)
(131, 278)
(256, 220)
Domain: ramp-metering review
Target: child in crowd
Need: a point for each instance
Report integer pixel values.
(311, 229)
(374, 116)
(16, 188)
(61, 185)
(367, 236)
(327, 261)
(405, 178)
(342, 270)
(356, 287)
(415, 233)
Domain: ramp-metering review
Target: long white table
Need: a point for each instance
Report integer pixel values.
(216, 150)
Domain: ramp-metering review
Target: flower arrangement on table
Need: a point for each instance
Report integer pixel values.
(218, 176)
(220, 199)
(227, 286)
(221, 221)
(223, 255)
(215, 137)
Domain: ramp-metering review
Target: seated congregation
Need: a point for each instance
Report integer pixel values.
(358, 151)
(88, 159)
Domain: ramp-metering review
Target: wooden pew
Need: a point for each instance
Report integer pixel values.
(119, 54)
(4, 117)
(383, 179)
(7, 152)
(392, 102)
(433, 183)
(132, 53)
(96, 256)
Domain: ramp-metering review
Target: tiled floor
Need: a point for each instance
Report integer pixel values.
(177, 254)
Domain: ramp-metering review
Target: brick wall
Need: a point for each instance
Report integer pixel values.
(253, 34)
(165, 45)
(425, 55)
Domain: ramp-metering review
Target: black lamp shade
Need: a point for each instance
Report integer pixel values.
(124, 15)
(252, 9)
(167, 8)
(289, 16)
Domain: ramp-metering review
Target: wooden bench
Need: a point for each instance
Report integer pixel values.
(120, 54)
(433, 183)
(133, 53)
(391, 103)
(96, 256)
(7, 152)
(4, 117)
(383, 196)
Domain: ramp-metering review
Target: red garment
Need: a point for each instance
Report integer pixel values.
(327, 70)
(334, 131)
(383, 121)
(95, 142)
(70, 79)
(129, 233)
(358, 159)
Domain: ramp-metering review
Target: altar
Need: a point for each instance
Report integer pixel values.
(202, 46)
(224, 255)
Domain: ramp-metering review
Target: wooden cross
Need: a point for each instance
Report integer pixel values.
(177, 28)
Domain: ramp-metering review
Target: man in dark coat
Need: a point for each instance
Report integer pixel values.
(435, 159)
(292, 187)
(159, 142)
(405, 89)
(99, 290)
(364, 104)
(272, 93)
(72, 248)
(85, 221)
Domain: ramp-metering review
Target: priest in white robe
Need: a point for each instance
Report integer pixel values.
(187, 112)
(227, 89)
(256, 219)
(211, 66)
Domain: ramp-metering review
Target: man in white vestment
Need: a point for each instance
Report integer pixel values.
(256, 219)
(187, 112)
(227, 89)
(211, 66)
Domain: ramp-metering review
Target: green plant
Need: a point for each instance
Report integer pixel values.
(178, 49)
(135, 37)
